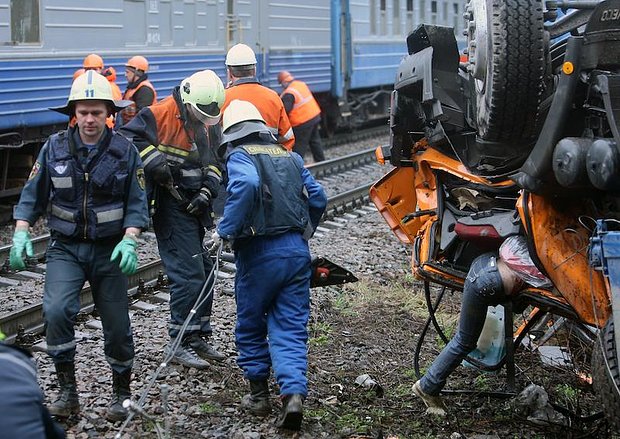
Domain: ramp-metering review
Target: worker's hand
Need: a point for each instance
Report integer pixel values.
(21, 242)
(200, 202)
(161, 174)
(129, 257)
(217, 241)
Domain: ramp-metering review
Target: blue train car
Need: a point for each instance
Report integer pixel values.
(345, 50)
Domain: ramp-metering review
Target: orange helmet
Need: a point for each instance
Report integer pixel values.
(77, 73)
(110, 74)
(138, 62)
(93, 61)
(285, 76)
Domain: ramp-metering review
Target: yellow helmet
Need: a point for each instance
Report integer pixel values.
(204, 93)
(240, 111)
(240, 55)
(91, 86)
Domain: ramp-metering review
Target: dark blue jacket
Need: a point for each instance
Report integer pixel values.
(92, 197)
(269, 193)
(22, 413)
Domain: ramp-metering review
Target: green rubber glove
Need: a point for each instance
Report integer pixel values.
(129, 257)
(21, 242)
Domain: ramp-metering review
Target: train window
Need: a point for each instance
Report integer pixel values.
(433, 12)
(25, 22)
(456, 17)
(444, 18)
(396, 17)
(383, 17)
(422, 11)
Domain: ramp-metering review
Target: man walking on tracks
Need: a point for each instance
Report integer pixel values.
(273, 207)
(90, 181)
(178, 138)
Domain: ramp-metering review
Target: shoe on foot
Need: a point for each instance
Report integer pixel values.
(434, 404)
(203, 348)
(187, 356)
(292, 412)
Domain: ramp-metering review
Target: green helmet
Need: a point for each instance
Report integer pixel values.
(204, 93)
(91, 86)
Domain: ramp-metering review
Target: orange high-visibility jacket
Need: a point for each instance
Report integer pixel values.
(268, 104)
(305, 106)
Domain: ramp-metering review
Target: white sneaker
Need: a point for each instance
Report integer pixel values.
(434, 404)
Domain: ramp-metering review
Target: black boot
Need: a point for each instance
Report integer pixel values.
(257, 401)
(67, 402)
(292, 412)
(121, 392)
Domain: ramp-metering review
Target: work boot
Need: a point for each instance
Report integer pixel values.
(257, 401)
(67, 403)
(120, 392)
(292, 412)
(187, 356)
(434, 403)
(204, 349)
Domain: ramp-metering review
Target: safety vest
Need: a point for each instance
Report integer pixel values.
(181, 153)
(269, 105)
(282, 205)
(305, 106)
(88, 203)
(130, 112)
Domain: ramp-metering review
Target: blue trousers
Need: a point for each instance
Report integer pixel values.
(69, 266)
(179, 237)
(272, 288)
(483, 287)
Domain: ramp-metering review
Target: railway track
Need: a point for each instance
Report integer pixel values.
(23, 324)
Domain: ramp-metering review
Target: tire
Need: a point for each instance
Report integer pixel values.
(506, 65)
(606, 380)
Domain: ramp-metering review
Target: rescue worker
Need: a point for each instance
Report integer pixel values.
(304, 113)
(90, 182)
(77, 73)
(95, 62)
(139, 89)
(491, 280)
(22, 411)
(273, 207)
(178, 139)
(241, 68)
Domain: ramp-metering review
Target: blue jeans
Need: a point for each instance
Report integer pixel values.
(483, 288)
(272, 288)
(69, 265)
(179, 238)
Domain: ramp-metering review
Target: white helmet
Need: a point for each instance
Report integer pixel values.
(204, 93)
(240, 111)
(240, 55)
(91, 86)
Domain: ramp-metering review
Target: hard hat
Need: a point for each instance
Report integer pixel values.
(138, 63)
(77, 73)
(285, 76)
(204, 92)
(240, 111)
(91, 86)
(110, 74)
(240, 55)
(93, 61)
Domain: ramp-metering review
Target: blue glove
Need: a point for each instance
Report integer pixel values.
(129, 257)
(21, 242)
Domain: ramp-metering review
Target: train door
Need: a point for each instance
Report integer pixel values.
(243, 22)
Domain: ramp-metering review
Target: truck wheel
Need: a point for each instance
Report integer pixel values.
(606, 374)
(506, 62)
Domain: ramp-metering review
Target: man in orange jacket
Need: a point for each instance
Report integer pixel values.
(139, 89)
(243, 85)
(304, 114)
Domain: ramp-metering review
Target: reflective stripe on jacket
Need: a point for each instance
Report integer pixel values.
(305, 106)
(268, 104)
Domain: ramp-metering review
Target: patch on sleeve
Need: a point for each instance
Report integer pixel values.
(140, 178)
(35, 170)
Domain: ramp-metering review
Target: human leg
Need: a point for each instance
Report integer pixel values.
(64, 279)
(316, 147)
(302, 139)
(483, 287)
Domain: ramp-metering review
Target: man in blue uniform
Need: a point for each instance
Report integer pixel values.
(273, 207)
(22, 412)
(90, 181)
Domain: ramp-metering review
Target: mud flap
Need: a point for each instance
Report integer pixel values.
(325, 273)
